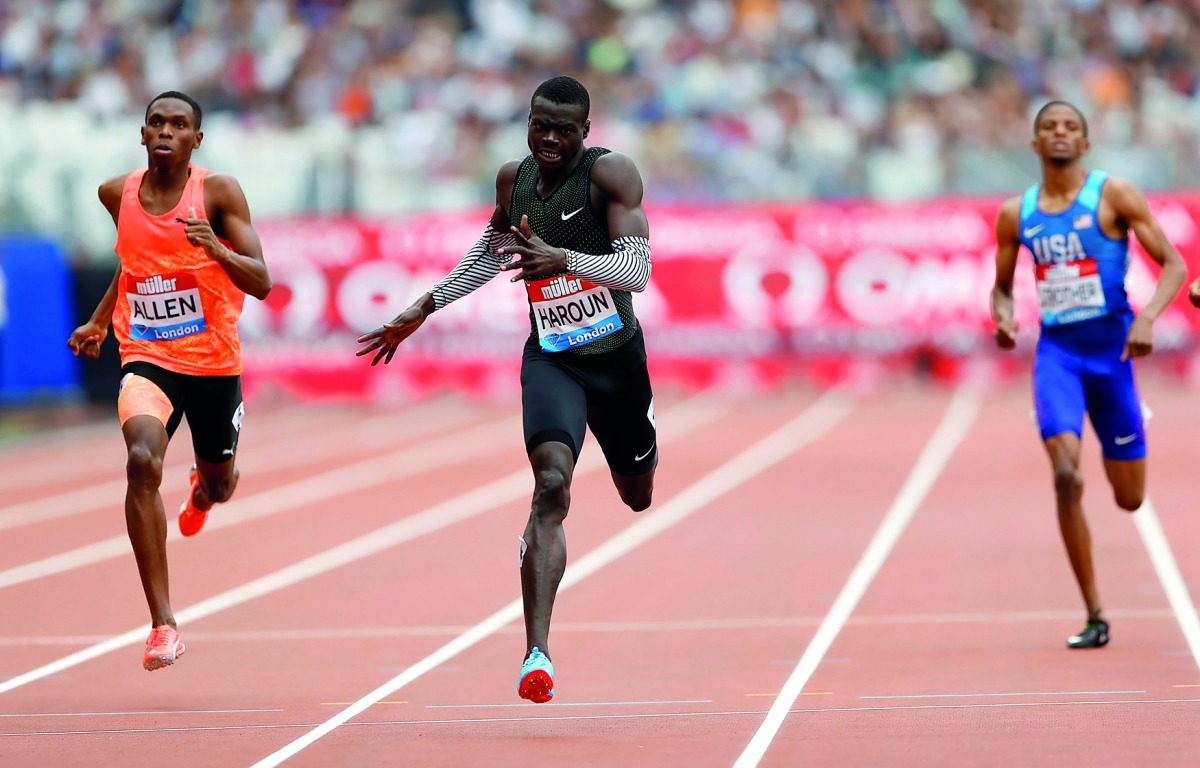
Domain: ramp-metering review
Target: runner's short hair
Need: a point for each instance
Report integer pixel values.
(564, 90)
(197, 113)
(1037, 119)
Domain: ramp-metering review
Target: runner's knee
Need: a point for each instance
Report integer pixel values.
(1128, 499)
(551, 494)
(219, 490)
(639, 498)
(1068, 484)
(143, 467)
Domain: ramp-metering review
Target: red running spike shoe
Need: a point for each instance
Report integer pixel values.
(191, 520)
(162, 648)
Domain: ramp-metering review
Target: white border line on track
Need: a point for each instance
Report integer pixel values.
(699, 411)
(575, 718)
(528, 704)
(779, 445)
(955, 424)
(1167, 569)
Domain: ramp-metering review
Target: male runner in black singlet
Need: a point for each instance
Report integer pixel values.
(573, 215)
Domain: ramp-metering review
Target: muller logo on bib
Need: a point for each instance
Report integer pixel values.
(561, 286)
(156, 284)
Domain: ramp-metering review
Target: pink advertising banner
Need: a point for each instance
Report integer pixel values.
(748, 295)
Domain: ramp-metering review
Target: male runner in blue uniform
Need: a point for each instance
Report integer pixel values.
(1076, 224)
(573, 217)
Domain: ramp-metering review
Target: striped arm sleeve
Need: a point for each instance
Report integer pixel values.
(480, 265)
(627, 268)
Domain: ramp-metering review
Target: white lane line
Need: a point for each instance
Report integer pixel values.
(1167, 569)
(937, 452)
(672, 702)
(267, 456)
(697, 413)
(154, 712)
(801, 431)
(575, 718)
(447, 450)
(1018, 693)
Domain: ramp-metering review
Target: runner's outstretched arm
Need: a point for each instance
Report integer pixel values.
(480, 265)
(87, 338)
(1007, 246)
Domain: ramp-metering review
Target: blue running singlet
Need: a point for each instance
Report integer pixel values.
(1085, 319)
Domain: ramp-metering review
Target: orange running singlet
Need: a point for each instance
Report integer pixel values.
(176, 307)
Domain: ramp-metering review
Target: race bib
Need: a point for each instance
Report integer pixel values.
(570, 312)
(164, 307)
(1070, 292)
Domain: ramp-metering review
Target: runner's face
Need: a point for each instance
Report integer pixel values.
(1059, 135)
(170, 134)
(556, 133)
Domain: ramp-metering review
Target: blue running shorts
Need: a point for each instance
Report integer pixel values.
(1069, 379)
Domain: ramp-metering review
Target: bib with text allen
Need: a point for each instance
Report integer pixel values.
(164, 307)
(570, 312)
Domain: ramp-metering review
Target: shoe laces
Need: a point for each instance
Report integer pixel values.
(536, 657)
(161, 635)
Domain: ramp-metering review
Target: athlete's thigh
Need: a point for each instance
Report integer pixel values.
(1115, 409)
(621, 411)
(147, 390)
(553, 404)
(1058, 395)
(214, 411)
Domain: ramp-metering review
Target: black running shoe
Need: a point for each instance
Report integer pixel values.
(1094, 635)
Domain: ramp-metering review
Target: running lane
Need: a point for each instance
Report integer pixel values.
(663, 655)
(956, 654)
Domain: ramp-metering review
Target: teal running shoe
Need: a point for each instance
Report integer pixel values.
(537, 678)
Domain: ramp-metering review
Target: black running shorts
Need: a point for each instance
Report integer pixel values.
(609, 393)
(213, 406)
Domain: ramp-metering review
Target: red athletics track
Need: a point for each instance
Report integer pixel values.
(672, 643)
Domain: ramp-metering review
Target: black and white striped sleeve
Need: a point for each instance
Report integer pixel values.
(627, 268)
(480, 265)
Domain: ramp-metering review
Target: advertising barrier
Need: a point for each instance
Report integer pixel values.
(36, 312)
(747, 296)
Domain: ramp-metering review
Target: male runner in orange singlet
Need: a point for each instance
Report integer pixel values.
(188, 257)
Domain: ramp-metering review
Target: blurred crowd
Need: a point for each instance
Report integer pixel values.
(716, 99)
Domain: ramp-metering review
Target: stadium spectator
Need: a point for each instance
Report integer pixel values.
(716, 99)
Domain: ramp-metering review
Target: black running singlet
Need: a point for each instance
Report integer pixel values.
(565, 220)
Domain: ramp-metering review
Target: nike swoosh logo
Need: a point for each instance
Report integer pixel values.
(1124, 440)
(1031, 231)
(566, 216)
(644, 455)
